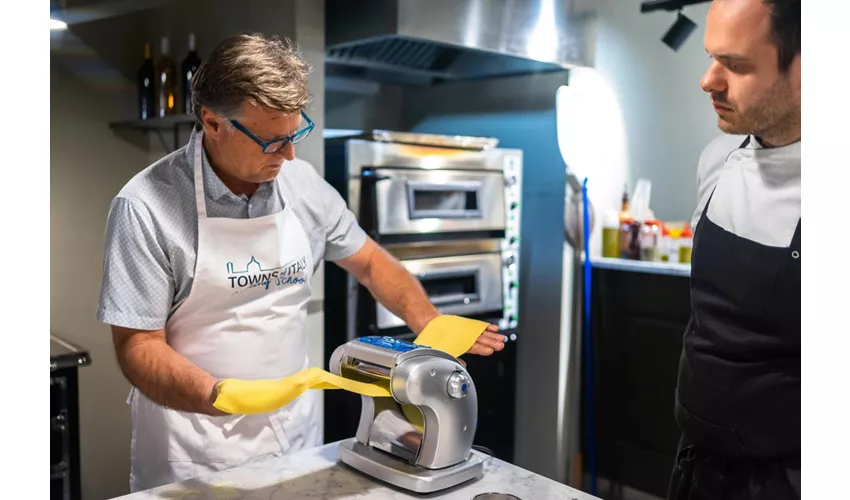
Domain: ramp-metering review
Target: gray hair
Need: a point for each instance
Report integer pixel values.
(250, 67)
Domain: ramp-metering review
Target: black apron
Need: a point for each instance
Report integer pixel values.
(738, 395)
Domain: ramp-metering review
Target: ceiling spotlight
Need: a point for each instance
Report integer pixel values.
(679, 32)
(668, 5)
(682, 28)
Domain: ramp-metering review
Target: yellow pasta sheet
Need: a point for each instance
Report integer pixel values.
(452, 334)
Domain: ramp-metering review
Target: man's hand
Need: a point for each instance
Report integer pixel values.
(488, 342)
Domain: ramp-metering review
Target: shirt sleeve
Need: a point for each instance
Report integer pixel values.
(343, 235)
(137, 287)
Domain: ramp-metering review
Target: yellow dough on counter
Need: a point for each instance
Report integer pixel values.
(451, 334)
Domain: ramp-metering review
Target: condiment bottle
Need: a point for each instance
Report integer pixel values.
(624, 209)
(686, 243)
(629, 239)
(650, 234)
(664, 244)
(611, 235)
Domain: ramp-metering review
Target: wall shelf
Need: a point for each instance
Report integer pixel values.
(172, 123)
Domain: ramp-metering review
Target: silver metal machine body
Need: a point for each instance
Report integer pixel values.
(429, 387)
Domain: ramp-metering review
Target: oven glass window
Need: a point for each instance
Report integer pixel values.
(453, 288)
(444, 201)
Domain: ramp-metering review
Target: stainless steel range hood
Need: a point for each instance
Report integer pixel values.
(430, 41)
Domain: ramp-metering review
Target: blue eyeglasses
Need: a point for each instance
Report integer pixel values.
(278, 144)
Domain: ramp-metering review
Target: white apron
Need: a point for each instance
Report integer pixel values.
(245, 317)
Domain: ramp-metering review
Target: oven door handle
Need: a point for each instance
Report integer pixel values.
(374, 176)
(451, 299)
(455, 299)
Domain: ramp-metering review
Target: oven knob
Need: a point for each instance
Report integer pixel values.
(510, 181)
(514, 205)
(509, 260)
(458, 385)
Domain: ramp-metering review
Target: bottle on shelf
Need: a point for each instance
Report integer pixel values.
(624, 209)
(665, 244)
(650, 240)
(611, 235)
(188, 69)
(686, 245)
(630, 239)
(166, 82)
(145, 85)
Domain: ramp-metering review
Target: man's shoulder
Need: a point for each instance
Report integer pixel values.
(301, 180)
(299, 169)
(715, 153)
(170, 174)
(719, 148)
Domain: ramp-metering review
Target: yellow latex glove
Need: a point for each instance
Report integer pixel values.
(261, 396)
(451, 334)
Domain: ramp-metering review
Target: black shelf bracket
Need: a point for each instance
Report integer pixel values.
(158, 125)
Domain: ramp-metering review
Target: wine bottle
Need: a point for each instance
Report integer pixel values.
(187, 71)
(166, 83)
(145, 84)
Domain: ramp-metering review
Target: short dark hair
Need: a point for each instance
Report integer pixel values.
(785, 30)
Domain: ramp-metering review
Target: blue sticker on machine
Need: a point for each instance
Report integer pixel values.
(389, 343)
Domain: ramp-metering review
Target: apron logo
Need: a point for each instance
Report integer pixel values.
(292, 273)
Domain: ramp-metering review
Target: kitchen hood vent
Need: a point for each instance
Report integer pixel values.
(433, 41)
(396, 53)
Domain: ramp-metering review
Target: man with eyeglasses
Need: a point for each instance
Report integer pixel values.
(208, 262)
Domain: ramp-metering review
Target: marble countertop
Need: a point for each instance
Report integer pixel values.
(316, 474)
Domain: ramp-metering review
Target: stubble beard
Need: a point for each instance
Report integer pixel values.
(773, 117)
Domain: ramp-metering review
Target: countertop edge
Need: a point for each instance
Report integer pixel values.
(665, 268)
(319, 471)
(72, 355)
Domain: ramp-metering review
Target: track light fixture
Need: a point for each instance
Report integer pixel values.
(682, 27)
(679, 32)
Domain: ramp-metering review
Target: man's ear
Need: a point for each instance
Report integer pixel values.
(212, 123)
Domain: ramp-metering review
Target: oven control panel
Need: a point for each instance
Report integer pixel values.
(512, 170)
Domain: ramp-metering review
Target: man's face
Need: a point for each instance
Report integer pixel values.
(748, 91)
(238, 155)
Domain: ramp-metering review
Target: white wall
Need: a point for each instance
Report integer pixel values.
(88, 166)
(668, 119)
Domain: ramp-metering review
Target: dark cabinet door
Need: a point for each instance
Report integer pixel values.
(64, 435)
(638, 320)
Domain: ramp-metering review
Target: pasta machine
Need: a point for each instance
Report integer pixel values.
(420, 438)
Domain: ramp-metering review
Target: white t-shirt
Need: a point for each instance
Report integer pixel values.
(756, 189)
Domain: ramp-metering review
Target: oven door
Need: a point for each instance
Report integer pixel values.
(463, 285)
(419, 201)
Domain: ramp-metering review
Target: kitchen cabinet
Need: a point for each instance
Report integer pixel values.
(639, 313)
(65, 360)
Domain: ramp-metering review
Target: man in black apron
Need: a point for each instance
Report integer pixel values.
(738, 395)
